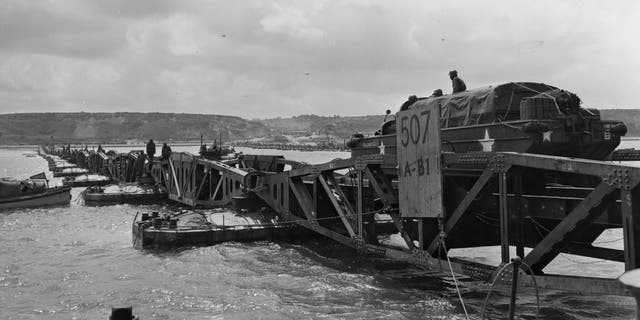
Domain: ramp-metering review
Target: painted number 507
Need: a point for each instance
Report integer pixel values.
(414, 131)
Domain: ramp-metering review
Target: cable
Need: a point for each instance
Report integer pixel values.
(535, 283)
(455, 281)
(500, 271)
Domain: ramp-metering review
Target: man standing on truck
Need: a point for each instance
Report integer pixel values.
(457, 83)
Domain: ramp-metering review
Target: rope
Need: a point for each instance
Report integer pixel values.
(455, 281)
(495, 280)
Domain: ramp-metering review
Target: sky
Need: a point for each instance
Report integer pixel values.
(264, 59)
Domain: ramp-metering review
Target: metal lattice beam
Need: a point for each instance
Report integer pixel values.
(589, 208)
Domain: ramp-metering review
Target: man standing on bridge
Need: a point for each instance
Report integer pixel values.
(457, 83)
(151, 149)
(166, 151)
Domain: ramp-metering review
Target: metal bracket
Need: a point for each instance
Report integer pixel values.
(497, 164)
(620, 178)
(420, 257)
(359, 244)
(360, 165)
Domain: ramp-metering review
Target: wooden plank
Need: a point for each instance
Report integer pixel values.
(418, 150)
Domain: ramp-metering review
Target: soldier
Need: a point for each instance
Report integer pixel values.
(166, 151)
(151, 149)
(457, 83)
(411, 100)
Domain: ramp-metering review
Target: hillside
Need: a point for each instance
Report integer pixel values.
(337, 127)
(343, 127)
(33, 128)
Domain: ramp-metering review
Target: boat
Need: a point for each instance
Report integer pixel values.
(196, 228)
(124, 193)
(70, 172)
(217, 151)
(32, 192)
(86, 180)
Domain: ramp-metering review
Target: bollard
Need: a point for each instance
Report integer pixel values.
(156, 222)
(631, 280)
(514, 286)
(122, 313)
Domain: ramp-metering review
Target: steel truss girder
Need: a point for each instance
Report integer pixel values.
(624, 177)
(186, 189)
(615, 177)
(587, 210)
(341, 204)
(383, 188)
(462, 208)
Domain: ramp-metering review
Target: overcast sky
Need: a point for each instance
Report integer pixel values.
(258, 59)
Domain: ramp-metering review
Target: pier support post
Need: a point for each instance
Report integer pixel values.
(504, 217)
(519, 206)
(514, 286)
(631, 280)
(631, 226)
(359, 203)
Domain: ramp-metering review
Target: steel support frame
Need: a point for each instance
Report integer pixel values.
(615, 177)
(459, 212)
(631, 226)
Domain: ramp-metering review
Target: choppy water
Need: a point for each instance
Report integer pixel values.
(76, 262)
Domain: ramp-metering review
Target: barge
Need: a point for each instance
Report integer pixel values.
(86, 180)
(197, 228)
(131, 193)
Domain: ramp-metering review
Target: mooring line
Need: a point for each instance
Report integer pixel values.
(455, 281)
(495, 280)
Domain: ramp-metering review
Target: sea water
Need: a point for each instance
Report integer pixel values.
(76, 262)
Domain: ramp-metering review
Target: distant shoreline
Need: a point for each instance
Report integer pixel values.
(176, 144)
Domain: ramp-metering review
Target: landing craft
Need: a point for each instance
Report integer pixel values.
(516, 116)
